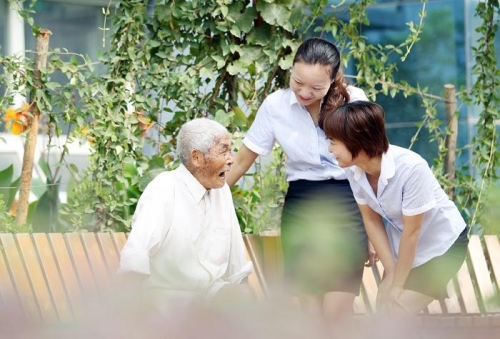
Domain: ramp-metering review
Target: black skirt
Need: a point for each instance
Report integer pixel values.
(323, 237)
(432, 277)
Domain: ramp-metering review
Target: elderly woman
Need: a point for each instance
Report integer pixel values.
(425, 239)
(185, 240)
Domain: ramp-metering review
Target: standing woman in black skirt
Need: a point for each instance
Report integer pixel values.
(324, 241)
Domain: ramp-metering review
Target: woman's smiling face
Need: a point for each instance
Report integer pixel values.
(341, 153)
(310, 83)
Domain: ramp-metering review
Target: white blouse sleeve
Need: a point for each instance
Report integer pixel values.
(150, 225)
(260, 137)
(418, 191)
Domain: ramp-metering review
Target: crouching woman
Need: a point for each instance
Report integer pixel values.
(423, 242)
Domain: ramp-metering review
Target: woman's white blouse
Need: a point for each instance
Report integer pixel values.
(407, 186)
(281, 118)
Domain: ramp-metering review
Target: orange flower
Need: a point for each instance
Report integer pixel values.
(17, 119)
(86, 133)
(144, 123)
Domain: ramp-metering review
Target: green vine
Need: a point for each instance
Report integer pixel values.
(220, 58)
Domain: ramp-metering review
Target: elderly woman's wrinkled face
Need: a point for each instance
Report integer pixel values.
(216, 164)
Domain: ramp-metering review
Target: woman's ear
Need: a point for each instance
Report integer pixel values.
(197, 158)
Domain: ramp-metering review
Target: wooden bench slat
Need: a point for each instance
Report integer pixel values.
(37, 279)
(466, 288)
(110, 252)
(482, 274)
(7, 290)
(272, 260)
(252, 246)
(20, 276)
(54, 282)
(119, 239)
(68, 274)
(8, 295)
(81, 264)
(100, 272)
(253, 281)
(434, 308)
(452, 303)
(493, 251)
(370, 287)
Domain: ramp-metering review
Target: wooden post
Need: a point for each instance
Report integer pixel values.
(42, 47)
(451, 135)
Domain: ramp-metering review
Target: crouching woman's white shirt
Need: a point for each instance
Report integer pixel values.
(407, 186)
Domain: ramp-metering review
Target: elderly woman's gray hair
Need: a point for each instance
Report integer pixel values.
(200, 134)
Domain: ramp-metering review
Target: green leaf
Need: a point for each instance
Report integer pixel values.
(240, 119)
(246, 21)
(224, 10)
(38, 187)
(223, 118)
(8, 188)
(274, 14)
(207, 73)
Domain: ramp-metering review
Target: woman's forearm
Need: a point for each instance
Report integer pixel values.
(407, 248)
(243, 159)
(377, 235)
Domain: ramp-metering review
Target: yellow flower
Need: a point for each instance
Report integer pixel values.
(144, 123)
(17, 119)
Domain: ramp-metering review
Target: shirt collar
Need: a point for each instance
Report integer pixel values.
(387, 168)
(193, 185)
(293, 99)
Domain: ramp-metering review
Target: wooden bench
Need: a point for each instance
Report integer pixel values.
(474, 296)
(59, 278)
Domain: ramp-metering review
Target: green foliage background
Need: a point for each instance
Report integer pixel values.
(219, 59)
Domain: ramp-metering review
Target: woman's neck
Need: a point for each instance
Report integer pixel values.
(314, 109)
(372, 166)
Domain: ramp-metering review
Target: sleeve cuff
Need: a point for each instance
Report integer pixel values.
(137, 261)
(254, 148)
(236, 278)
(360, 201)
(414, 211)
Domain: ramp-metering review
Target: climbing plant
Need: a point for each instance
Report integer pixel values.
(167, 64)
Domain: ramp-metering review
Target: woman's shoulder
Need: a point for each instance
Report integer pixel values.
(277, 102)
(405, 157)
(279, 96)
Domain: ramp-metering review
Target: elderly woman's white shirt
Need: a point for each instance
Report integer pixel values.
(184, 246)
(407, 186)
